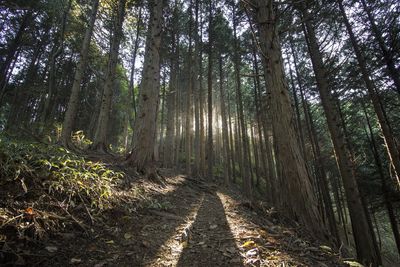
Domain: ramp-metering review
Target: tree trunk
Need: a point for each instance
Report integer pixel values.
(387, 57)
(225, 138)
(246, 179)
(319, 163)
(142, 154)
(131, 89)
(162, 119)
(188, 123)
(12, 52)
(385, 189)
(57, 50)
(363, 235)
(390, 142)
(302, 204)
(209, 96)
(73, 102)
(196, 96)
(100, 142)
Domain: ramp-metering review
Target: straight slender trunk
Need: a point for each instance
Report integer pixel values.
(246, 178)
(256, 159)
(319, 163)
(162, 120)
(257, 100)
(188, 123)
(385, 188)
(387, 57)
(73, 102)
(12, 52)
(170, 144)
(390, 142)
(100, 142)
(169, 138)
(209, 96)
(178, 119)
(57, 50)
(196, 97)
(225, 138)
(362, 232)
(202, 114)
(131, 89)
(231, 143)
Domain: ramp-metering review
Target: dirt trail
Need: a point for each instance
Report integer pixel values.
(185, 223)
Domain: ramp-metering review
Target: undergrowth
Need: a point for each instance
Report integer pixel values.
(61, 172)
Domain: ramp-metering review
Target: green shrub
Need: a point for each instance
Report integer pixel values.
(56, 169)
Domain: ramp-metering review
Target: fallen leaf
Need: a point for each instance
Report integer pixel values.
(249, 244)
(100, 264)
(326, 248)
(127, 236)
(263, 233)
(146, 243)
(252, 252)
(213, 226)
(29, 211)
(353, 264)
(75, 261)
(227, 254)
(51, 249)
(24, 186)
(110, 242)
(272, 258)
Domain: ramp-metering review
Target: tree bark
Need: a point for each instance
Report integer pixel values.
(385, 188)
(246, 178)
(100, 142)
(188, 123)
(209, 95)
(73, 102)
(57, 50)
(12, 52)
(387, 57)
(300, 204)
(390, 142)
(142, 153)
(363, 235)
(319, 163)
(225, 138)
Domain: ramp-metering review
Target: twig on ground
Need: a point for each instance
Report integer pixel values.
(87, 210)
(10, 220)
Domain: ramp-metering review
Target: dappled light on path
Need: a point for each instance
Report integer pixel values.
(178, 241)
(211, 243)
(260, 241)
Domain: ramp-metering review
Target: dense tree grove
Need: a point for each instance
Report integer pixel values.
(296, 101)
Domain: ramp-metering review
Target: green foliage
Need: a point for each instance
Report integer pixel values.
(80, 140)
(58, 170)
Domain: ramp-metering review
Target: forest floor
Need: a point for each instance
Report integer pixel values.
(185, 222)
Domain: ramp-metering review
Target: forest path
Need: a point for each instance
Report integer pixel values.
(185, 222)
(189, 222)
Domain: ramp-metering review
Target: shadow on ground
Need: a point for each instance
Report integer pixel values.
(212, 242)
